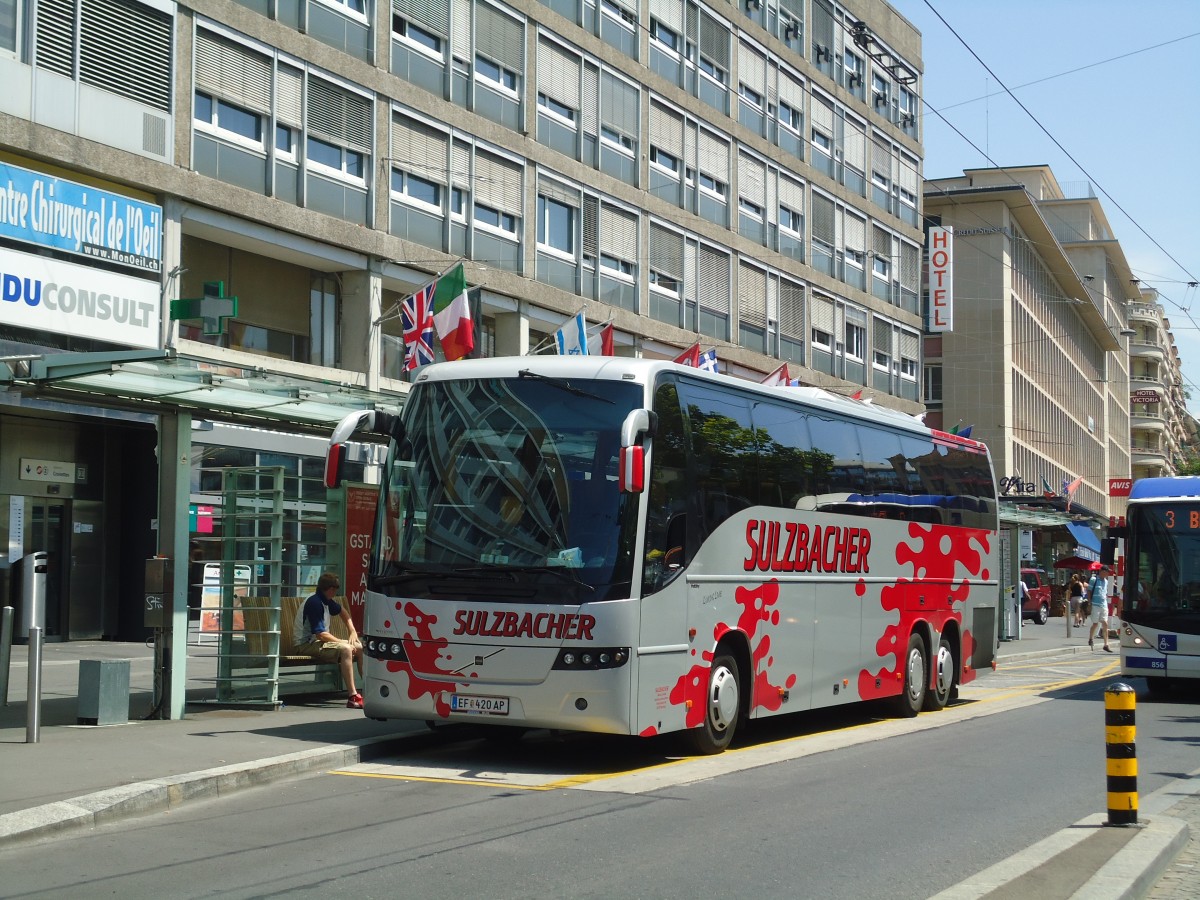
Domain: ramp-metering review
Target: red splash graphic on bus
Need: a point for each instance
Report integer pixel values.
(424, 653)
(942, 555)
(758, 613)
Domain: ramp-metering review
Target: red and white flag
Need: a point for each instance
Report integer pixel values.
(690, 356)
(778, 378)
(601, 343)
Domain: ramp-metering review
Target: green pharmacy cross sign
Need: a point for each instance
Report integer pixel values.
(214, 308)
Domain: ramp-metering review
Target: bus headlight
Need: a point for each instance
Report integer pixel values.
(592, 658)
(385, 648)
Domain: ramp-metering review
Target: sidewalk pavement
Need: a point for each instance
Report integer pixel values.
(77, 776)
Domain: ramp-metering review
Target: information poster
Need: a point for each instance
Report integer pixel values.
(360, 521)
(210, 599)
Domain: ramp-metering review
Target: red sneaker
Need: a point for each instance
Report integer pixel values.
(355, 702)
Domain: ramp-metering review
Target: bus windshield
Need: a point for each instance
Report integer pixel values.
(509, 487)
(1164, 566)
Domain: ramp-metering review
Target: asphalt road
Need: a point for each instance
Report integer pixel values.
(817, 805)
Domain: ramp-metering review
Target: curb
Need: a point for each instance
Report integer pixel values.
(161, 794)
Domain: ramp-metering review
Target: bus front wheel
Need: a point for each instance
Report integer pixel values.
(722, 707)
(911, 698)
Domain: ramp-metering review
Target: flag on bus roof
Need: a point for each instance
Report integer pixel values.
(690, 356)
(857, 395)
(571, 339)
(965, 432)
(708, 361)
(601, 343)
(779, 378)
(452, 314)
(417, 316)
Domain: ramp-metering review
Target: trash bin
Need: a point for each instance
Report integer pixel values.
(103, 692)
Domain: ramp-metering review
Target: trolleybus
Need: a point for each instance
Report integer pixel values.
(1160, 617)
(636, 547)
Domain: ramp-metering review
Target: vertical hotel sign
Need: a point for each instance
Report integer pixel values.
(941, 279)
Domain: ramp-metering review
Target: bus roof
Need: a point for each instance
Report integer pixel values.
(644, 371)
(1165, 488)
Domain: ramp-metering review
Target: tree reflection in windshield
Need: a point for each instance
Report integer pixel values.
(510, 473)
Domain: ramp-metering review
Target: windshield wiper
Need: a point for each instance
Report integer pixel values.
(410, 570)
(564, 385)
(559, 571)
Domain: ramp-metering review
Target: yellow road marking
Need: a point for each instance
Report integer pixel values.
(592, 778)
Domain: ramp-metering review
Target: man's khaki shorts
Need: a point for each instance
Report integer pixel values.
(325, 651)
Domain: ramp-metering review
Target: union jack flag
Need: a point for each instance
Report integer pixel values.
(417, 313)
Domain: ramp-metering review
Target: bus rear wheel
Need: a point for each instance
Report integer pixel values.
(939, 691)
(722, 707)
(912, 697)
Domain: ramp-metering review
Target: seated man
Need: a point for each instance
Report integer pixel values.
(312, 637)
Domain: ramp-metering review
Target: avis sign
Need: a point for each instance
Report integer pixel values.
(941, 279)
(1120, 487)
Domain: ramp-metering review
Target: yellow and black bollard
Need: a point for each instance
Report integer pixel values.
(1120, 732)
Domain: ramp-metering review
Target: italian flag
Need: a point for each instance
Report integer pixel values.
(452, 314)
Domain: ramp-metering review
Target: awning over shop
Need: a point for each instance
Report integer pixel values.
(152, 381)
(1085, 537)
(1075, 561)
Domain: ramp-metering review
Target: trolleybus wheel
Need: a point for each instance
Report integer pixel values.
(722, 707)
(1159, 687)
(938, 694)
(908, 704)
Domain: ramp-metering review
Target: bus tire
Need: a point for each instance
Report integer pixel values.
(722, 707)
(1159, 687)
(942, 686)
(914, 667)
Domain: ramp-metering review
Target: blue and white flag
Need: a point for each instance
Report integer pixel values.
(571, 339)
(708, 360)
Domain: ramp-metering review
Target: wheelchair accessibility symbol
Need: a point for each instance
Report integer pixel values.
(1168, 643)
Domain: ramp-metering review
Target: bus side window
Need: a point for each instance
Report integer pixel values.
(724, 456)
(668, 493)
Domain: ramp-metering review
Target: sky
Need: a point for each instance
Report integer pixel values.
(1115, 87)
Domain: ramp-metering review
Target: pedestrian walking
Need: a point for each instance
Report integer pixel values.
(1097, 594)
(1075, 595)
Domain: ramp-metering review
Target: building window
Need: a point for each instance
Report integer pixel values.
(500, 78)
(791, 221)
(556, 226)
(822, 339)
(667, 284)
(358, 8)
(856, 342)
(933, 384)
(418, 190)
(323, 321)
(552, 107)
(664, 36)
(418, 38)
(493, 218)
(230, 121)
(664, 160)
(341, 160)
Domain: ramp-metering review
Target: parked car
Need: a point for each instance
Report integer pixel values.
(1037, 604)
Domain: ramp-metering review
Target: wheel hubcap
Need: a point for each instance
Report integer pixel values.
(945, 671)
(722, 699)
(916, 676)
